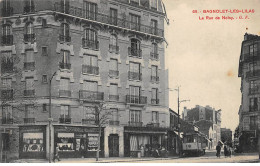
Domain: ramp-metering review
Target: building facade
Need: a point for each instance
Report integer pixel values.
(89, 52)
(249, 115)
(207, 119)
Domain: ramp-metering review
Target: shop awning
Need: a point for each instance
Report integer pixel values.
(66, 135)
(32, 135)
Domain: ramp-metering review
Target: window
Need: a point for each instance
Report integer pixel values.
(91, 60)
(7, 37)
(134, 71)
(65, 84)
(65, 112)
(29, 6)
(65, 61)
(44, 78)
(6, 83)
(155, 99)
(65, 6)
(113, 92)
(44, 51)
(29, 29)
(90, 86)
(154, 52)
(7, 113)
(7, 9)
(44, 23)
(253, 104)
(7, 30)
(113, 68)
(113, 16)
(90, 39)
(65, 32)
(134, 90)
(154, 26)
(114, 113)
(6, 62)
(253, 50)
(113, 46)
(44, 107)
(253, 122)
(134, 2)
(155, 117)
(29, 63)
(135, 22)
(89, 113)
(154, 4)
(135, 116)
(135, 49)
(154, 73)
(90, 10)
(252, 67)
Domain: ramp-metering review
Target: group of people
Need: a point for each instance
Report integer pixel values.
(153, 151)
(227, 150)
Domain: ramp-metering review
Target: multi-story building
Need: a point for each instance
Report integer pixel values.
(93, 51)
(207, 119)
(249, 114)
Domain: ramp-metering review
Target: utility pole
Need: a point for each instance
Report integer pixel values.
(50, 117)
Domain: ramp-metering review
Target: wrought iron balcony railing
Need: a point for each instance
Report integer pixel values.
(249, 57)
(65, 65)
(64, 93)
(7, 94)
(7, 40)
(90, 44)
(105, 19)
(29, 93)
(113, 73)
(154, 56)
(63, 38)
(135, 124)
(29, 120)
(29, 9)
(134, 76)
(113, 48)
(65, 120)
(6, 12)
(153, 124)
(91, 95)
(29, 38)
(114, 123)
(136, 99)
(134, 52)
(154, 79)
(89, 121)
(86, 69)
(113, 97)
(155, 101)
(7, 121)
(7, 67)
(29, 66)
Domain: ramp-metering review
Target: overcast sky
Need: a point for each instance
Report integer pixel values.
(203, 55)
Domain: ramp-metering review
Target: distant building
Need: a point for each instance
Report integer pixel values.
(226, 135)
(207, 119)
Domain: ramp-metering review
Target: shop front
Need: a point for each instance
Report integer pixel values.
(32, 142)
(76, 142)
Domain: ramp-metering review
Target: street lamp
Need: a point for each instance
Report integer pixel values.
(50, 118)
(179, 126)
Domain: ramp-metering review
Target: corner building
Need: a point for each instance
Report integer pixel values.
(94, 51)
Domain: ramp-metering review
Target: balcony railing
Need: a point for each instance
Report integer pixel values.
(86, 69)
(29, 120)
(154, 79)
(255, 73)
(249, 57)
(89, 122)
(64, 93)
(135, 124)
(254, 90)
(63, 38)
(7, 40)
(29, 9)
(114, 123)
(7, 68)
(65, 65)
(65, 120)
(113, 48)
(90, 44)
(253, 108)
(153, 124)
(105, 19)
(29, 93)
(135, 52)
(6, 12)
(29, 38)
(113, 97)
(29, 66)
(155, 101)
(134, 76)
(7, 94)
(91, 95)
(113, 73)
(136, 99)
(154, 56)
(7, 121)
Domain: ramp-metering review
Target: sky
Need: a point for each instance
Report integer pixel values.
(203, 55)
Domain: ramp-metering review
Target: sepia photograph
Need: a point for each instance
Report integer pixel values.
(129, 81)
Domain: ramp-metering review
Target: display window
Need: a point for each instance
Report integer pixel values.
(33, 142)
(92, 142)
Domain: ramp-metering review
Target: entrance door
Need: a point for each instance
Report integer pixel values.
(113, 145)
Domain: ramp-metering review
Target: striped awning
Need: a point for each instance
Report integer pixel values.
(32, 135)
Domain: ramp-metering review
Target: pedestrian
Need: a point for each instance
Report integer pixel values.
(218, 148)
(56, 156)
(225, 150)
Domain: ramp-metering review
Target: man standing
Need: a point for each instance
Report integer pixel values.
(218, 148)
(56, 156)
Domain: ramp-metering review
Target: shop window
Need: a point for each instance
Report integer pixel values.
(33, 142)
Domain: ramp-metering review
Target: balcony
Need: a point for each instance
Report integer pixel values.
(113, 73)
(7, 68)
(113, 97)
(29, 9)
(64, 93)
(153, 124)
(7, 121)
(134, 76)
(29, 120)
(91, 95)
(253, 108)
(113, 123)
(6, 12)
(135, 52)
(254, 90)
(65, 120)
(106, 20)
(255, 73)
(113, 48)
(89, 122)
(29, 38)
(154, 56)
(63, 38)
(90, 44)
(135, 124)
(154, 79)
(250, 57)
(29, 66)
(86, 69)
(29, 93)
(154, 101)
(136, 99)
(7, 40)
(7, 94)
(65, 65)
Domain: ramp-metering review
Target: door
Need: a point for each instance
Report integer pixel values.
(113, 144)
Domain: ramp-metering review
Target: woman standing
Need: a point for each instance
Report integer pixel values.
(218, 148)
